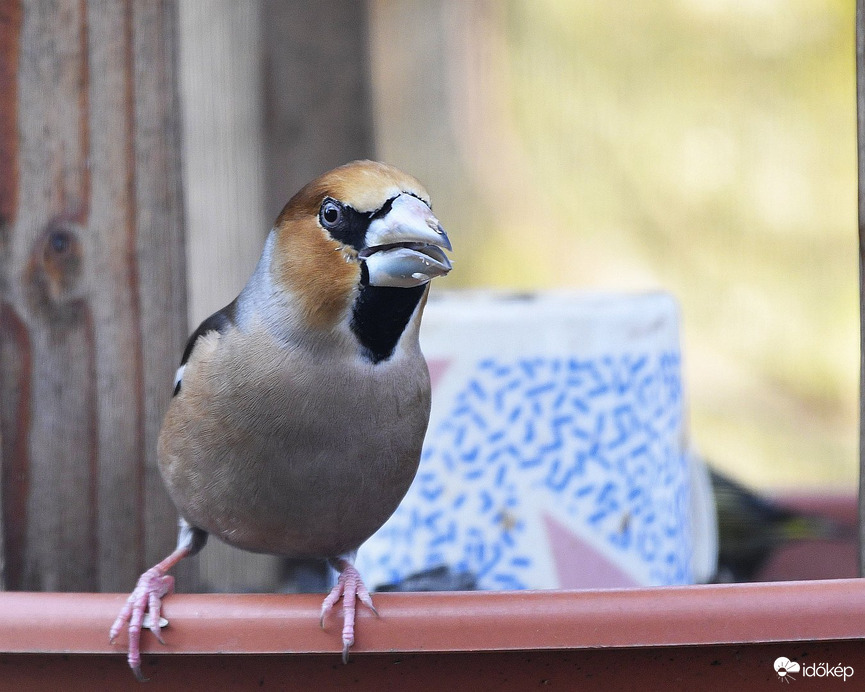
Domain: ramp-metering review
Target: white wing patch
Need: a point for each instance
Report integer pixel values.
(178, 377)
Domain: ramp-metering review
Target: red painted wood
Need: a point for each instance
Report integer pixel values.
(475, 621)
(668, 669)
(684, 638)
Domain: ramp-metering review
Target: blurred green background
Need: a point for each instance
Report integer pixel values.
(703, 147)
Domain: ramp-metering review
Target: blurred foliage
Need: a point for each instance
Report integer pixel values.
(707, 147)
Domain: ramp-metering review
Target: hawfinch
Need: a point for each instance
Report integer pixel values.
(299, 409)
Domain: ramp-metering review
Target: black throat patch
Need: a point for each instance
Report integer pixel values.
(380, 316)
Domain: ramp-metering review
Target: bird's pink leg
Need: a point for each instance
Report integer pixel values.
(147, 596)
(349, 586)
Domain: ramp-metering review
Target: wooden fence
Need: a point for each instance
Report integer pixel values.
(94, 245)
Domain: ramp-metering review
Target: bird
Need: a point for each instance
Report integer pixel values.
(438, 578)
(299, 410)
(751, 527)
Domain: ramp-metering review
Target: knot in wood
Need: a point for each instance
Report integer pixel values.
(54, 271)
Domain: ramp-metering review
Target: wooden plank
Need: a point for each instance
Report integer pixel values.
(92, 261)
(317, 91)
(226, 224)
(317, 96)
(223, 149)
(13, 387)
(451, 621)
(661, 669)
(94, 292)
(437, 106)
(159, 245)
(258, 125)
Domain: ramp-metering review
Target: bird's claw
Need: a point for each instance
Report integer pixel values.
(349, 587)
(136, 671)
(147, 597)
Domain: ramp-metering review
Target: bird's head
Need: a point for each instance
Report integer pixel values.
(358, 228)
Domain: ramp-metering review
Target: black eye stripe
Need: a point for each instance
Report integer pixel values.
(350, 226)
(385, 208)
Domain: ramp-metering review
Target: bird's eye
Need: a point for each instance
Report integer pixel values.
(330, 214)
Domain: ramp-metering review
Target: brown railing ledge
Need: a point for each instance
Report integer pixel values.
(651, 637)
(449, 621)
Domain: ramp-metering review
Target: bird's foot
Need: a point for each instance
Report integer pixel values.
(147, 596)
(348, 587)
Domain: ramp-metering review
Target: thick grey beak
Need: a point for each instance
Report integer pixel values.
(405, 247)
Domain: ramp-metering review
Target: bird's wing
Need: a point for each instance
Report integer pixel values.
(219, 322)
